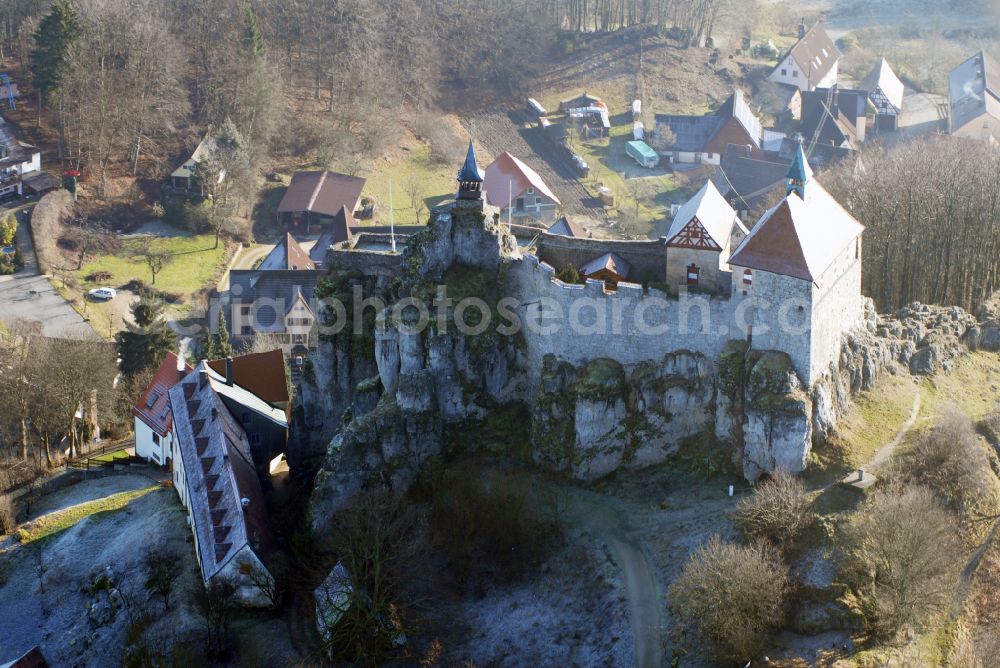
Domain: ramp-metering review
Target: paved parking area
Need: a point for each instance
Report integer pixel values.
(27, 295)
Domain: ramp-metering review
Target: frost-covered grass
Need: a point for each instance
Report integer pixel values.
(57, 521)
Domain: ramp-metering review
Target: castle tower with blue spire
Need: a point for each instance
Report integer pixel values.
(799, 174)
(470, 178)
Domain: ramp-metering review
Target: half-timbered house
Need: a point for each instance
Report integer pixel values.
(701, 237)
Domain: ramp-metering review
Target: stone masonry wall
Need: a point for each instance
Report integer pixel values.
(608, 324)
(648, 258)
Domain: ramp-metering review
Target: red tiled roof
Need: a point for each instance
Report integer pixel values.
(152, 407)
(261, 373)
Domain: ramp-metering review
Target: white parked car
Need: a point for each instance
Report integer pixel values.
(103, 294)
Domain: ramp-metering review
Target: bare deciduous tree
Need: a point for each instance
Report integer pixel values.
(778, 510)
(730, 597)
(899, 559)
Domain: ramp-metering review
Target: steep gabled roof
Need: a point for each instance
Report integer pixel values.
(338, 230)
(565, 227)
(884, 79)
(321, 192)
(815, 54)
(287, 254)
(608, 262)
(799, 238)
(219, 471)
(974, 90)
(508, 176)
(736, 107)
(153, 407)
(711, 209)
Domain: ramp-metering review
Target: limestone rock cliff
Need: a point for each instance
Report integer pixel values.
(594, 420)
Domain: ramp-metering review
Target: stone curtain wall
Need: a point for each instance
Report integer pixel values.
(369, 263)
(648, 258)
(630, 325)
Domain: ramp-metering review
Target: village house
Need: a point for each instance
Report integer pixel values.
(222, 430)
(154, 435)
(518, 191)
(974, 99)
(566, 226)
(314, 198)
(813, 62)
(261, 373)
(186, 177)
(21, 167)
(702, 235)
(276, 304)
(694, 139)
(746, 182)
(885, 93)
(287, 254)
(834, 116)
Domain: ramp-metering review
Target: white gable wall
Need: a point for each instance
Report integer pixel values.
(788, 72)
(151, 446)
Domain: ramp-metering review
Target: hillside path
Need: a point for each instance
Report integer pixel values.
(602, 516)
(884, 454)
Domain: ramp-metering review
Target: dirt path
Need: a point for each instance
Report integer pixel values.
(602, 516)
(884, 454)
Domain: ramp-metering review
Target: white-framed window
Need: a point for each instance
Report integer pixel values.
(531, 191)
(538, 200)
(747, 277)
(784, 71)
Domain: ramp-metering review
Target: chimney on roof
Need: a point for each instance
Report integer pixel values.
(180, 366)
(802, 28)
(202, 377)
(229, 371)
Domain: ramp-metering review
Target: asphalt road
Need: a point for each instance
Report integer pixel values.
(28, 295)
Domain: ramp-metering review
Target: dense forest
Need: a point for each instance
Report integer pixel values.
(932, 212)
(119, 77)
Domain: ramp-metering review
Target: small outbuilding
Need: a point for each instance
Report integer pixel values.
(610, 268)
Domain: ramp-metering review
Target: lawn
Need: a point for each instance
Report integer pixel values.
(648, 193)
(872, 421)
(415, 174)
(109, 457)
(193, 262)
(973, 387)
(55, 522)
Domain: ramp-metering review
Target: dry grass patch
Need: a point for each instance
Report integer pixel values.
(55, 522)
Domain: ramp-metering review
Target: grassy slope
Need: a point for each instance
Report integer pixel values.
(412, 167)
(52, 523)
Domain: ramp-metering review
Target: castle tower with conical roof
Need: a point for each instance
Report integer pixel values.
(799, 174)
(470, 178)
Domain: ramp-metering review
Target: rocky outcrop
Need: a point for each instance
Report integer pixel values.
(592, 421)
(777, 432)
